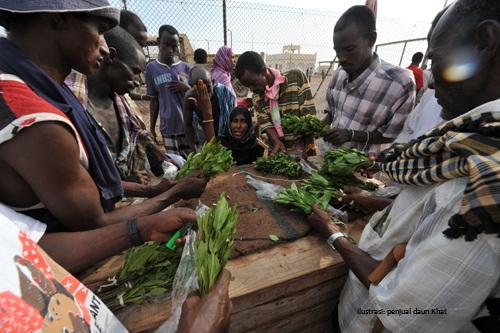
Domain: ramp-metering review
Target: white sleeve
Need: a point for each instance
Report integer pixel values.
(33, 228)
(449, 278)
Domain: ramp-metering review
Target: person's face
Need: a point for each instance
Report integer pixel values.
(239, 126)
(124, 75)
(169, 46)
(460, 74)
(82, 43)
(256, 82)
(353, 49)
(138, 32)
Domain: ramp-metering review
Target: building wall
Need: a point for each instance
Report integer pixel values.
(287, 61)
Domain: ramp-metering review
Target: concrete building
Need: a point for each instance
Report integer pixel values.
(291, 58)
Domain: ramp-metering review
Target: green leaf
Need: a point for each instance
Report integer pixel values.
(274, 238)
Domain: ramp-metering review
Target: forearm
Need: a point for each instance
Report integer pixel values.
(327, 120)
(132, 189)
(145, 208)
(358, 261)
(374, 137)
(76, 251)
(208, 128)
(273, 135)
(153, 114)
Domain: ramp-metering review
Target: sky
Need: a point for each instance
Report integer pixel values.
(268, 25)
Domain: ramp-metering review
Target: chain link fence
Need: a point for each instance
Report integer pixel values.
(287, 37)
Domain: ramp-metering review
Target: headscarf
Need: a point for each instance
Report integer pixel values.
(248, 141)
(222, 67)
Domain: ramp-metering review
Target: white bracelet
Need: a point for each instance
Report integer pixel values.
(333, 237)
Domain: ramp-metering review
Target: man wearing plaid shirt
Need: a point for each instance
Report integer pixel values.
(430, 262)
(368, 98)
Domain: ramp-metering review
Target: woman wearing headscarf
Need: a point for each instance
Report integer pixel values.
(240, 137)
(222, 67)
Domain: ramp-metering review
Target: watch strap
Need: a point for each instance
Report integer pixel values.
(133, 233)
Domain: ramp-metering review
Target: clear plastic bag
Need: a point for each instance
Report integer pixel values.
(169, 170)
(306, 167)
(264, 190)
(387, 192)
(186, 279)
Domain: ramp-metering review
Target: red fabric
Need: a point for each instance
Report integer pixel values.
(419, 75)
(17, 316)
(23, 101)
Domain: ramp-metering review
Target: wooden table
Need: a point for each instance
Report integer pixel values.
(287, 288)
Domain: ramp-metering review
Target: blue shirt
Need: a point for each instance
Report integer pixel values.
(158, 77)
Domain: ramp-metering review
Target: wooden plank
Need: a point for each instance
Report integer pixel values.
(283, 270)
(301, 322)
(146, 317)
(94, 277)
(284, 307)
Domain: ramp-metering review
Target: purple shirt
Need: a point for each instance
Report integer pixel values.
(158, 76)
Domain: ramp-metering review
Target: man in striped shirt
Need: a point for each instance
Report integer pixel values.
(275, 94)
(368, 98)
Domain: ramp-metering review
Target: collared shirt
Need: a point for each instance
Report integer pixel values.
(451, 278)
(379, 99)
(77, 82)
(295, 98)
(158, 78)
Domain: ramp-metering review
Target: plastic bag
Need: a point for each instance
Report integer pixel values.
(186, 279)
(264, 190)
(306, 167)
(387, 192)
(338, 213)
(169, 170)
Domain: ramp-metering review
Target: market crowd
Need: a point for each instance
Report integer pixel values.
(74, 148)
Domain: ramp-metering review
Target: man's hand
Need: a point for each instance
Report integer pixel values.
(337, 136)
(161, 226)
(190, 187)
(277, 147)
(366, 203)
(322, 223)
(208, 314)
(203, 100)
(162, 186)
(178, 86)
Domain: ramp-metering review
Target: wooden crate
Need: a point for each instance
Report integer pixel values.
(287, 288)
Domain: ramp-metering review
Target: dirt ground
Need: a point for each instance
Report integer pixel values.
(320, 100)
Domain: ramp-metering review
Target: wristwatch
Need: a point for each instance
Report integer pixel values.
(333, 237)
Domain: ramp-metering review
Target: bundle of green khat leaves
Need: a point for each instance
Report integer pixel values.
(215, 242)
(303, 199)
(279, 164)
(148, 271)
(303, 125)
(212, 159)
(344, 162)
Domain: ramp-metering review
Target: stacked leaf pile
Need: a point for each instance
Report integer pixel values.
(337, 173)
(314, 190)
(212, 159)
(215, 242)
(279, 164)
(148, 271)
(341, 164)
(305, 125)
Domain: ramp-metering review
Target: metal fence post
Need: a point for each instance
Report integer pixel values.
(224, 21)
(403, 53)
(125, 4)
